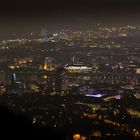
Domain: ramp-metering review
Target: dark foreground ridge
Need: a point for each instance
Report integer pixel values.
(18, 126)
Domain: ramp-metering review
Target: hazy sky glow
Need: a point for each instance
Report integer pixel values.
(29, 15)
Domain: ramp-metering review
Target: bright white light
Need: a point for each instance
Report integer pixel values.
(97, 95)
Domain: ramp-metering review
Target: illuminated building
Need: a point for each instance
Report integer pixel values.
(49, 64)
(44, 34)
(78, 69)
(2, 89)
(138, 71)
(13, 78)
(96, 134)
(76, 136)
(34, 88)
(15, 88)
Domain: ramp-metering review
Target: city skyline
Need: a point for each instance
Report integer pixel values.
(53, 15)
(70, 68)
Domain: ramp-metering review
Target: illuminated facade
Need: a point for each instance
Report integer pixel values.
(78, 69)
(49, 64)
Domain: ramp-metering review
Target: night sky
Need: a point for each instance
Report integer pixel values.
(19, 16)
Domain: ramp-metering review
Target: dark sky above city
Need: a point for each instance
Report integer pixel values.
(32, 15)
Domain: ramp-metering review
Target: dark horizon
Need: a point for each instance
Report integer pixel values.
(27, 16)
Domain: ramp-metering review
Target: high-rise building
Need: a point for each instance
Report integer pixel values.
(49, 63)
(44, 34)
(58, 79)
(13, 78)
